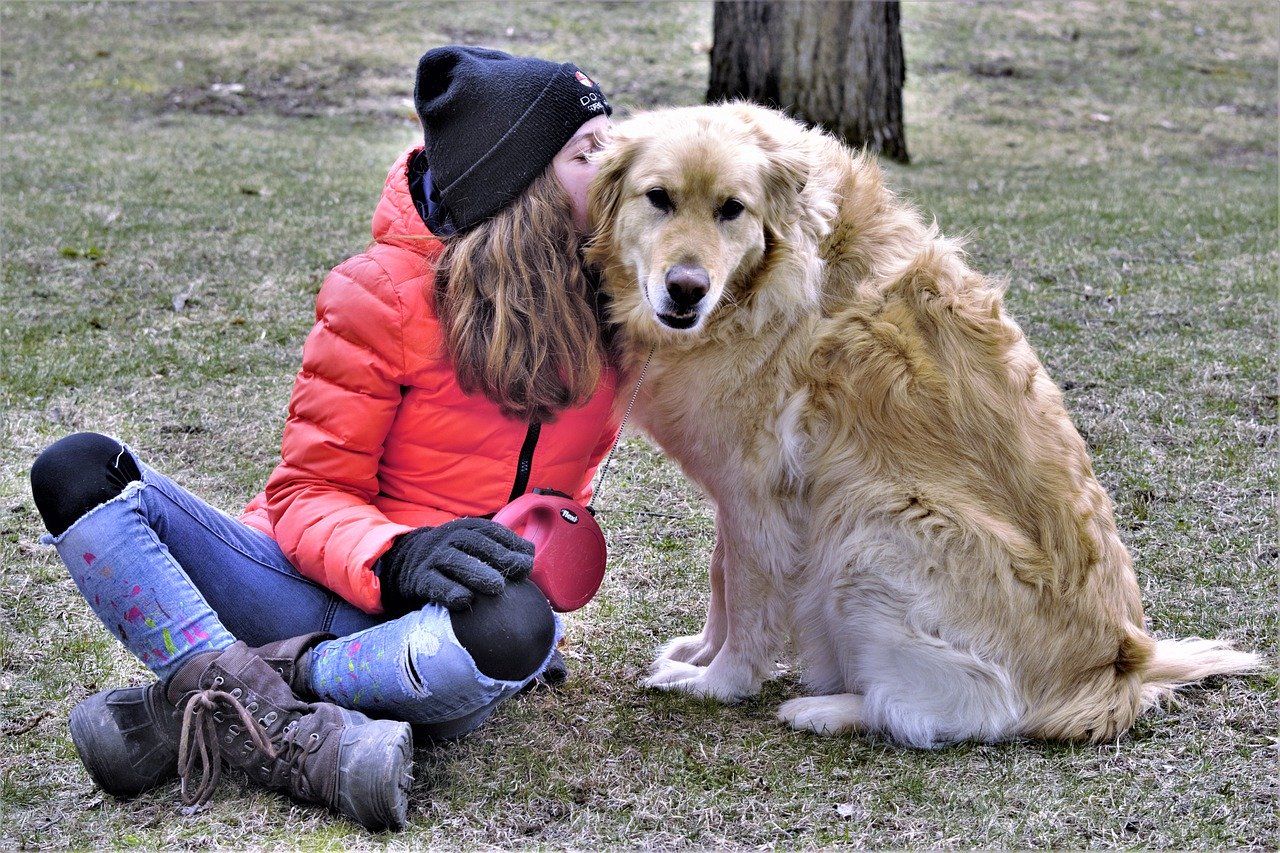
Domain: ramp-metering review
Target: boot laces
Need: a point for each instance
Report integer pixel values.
(296, 746)
(199, 749)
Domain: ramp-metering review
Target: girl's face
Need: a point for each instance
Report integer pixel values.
(574, 169)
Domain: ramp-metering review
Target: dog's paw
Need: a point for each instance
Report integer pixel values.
(676, 676)
(666, 671)
(824, 715)
(694, 649)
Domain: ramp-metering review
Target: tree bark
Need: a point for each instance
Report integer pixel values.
(833, 63)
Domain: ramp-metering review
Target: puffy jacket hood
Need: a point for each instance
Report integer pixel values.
(396, 221)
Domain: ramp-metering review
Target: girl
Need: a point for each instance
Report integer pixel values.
(454, 365)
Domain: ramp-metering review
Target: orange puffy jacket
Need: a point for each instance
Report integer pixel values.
(380, 439)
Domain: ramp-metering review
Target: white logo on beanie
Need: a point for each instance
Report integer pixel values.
(590, 101)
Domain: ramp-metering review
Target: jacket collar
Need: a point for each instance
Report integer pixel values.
(396, 220)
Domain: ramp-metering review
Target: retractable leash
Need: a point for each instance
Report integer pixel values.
(569, 547)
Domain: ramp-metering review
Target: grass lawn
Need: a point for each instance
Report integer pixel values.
(176, 179)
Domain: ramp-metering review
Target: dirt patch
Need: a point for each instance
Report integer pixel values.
(350, 89)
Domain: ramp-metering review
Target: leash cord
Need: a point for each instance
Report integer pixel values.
(608, 460)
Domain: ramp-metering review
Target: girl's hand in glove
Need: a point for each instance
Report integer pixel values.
(447, 565)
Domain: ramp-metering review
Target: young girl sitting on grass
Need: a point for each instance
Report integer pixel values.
(454, 365)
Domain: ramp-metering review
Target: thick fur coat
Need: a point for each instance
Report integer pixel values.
(900, 494)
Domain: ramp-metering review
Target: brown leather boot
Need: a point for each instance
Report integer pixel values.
(127, 738)
(239, 709)
(291, 658)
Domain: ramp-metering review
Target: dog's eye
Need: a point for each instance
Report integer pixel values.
(658, 198)
(731, 209)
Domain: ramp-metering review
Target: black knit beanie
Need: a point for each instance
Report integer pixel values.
(493, 122)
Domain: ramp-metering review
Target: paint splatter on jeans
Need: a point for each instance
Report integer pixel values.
(135, 586)
(413, 669)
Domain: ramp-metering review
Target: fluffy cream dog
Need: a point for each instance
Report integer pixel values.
(899, 491)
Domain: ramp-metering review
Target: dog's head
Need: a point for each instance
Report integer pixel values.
(689, 205)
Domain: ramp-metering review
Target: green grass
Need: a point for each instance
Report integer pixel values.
(164, 232)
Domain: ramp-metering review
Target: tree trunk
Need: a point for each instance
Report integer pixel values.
(834, 63)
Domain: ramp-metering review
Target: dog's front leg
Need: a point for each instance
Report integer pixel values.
(699, 649)
(750, 616)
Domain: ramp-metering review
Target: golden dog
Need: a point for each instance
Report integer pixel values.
(898, 488)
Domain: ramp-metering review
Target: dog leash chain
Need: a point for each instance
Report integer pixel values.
(608, 460)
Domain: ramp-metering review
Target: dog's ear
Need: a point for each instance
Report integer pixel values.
(783, 142)
(605, 194)
(806, 202)
(785, 177)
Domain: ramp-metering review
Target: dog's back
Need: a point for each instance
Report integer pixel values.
(933, 415)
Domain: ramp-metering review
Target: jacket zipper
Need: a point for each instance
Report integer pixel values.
(525, 465)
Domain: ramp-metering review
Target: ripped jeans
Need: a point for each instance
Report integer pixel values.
(171, 577)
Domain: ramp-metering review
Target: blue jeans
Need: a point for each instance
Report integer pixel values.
(171, 577)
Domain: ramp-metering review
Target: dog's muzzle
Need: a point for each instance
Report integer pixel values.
(686, 287)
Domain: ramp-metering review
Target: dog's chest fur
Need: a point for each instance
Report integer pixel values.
(705, 411)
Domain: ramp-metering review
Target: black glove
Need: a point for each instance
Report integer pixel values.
(446, 565)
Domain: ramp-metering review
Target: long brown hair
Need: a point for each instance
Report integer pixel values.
(518, 311)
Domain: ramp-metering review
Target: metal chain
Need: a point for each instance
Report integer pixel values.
(608, 460)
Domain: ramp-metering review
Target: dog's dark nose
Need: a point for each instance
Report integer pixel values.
(687, 285)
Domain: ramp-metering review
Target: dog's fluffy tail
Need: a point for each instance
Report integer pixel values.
(1106, 704)
(1177, 663)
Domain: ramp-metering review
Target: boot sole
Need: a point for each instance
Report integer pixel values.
(374, 788)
